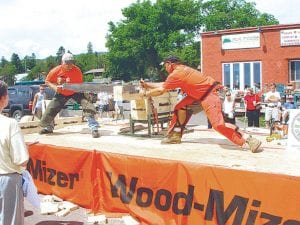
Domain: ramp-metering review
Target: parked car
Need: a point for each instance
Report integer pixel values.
(21, 99)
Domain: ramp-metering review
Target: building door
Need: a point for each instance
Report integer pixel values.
(242, 75)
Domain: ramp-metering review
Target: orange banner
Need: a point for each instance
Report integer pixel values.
(170, 192)
(64, 172)
(165, 192)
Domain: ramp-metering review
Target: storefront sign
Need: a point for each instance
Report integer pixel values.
(237, 41)
(290, 37)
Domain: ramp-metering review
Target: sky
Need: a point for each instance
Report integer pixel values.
(42, 26)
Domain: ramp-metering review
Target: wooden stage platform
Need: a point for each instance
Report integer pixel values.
(203, 146)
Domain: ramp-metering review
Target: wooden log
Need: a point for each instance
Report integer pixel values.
(141, 108)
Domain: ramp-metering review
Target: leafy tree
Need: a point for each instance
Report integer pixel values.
(37, 71)
(15, 60)
(29, 61)
(60, 53)
(228, 14)
(8, 71)
(3, 62)
(89, 61)
(50, 63)
(150, 32)
(90, 48)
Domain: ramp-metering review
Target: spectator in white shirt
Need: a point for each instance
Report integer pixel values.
(272, 99)
(13, 159)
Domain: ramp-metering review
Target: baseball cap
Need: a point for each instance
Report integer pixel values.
(67, 57)
(171, 59)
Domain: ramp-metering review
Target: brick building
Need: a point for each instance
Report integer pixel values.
(254, 56)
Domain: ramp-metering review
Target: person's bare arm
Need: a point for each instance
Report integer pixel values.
(150, 85)
(154, 92)
(51, 85)
(34, 103)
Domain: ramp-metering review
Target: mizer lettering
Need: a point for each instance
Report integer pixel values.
(164, 200)
(50, 175)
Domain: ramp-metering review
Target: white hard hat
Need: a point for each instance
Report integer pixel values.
(67, 57)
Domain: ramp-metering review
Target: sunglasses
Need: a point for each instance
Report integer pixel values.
(228, 95)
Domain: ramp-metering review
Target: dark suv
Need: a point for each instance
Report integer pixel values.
(21, 98)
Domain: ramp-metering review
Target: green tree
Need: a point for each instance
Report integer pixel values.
(3, 62)
(15, 60)
(61, 50)
(50, 63)
(228, 14)
(37, 71)
(90, 48)
(29, 61)
(150, 32)
(90, 61)
(8, 71)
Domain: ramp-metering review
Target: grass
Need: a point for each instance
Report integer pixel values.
(262, 122)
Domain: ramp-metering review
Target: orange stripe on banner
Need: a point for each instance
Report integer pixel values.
(65, 172)
(170, 192)
(165, 192)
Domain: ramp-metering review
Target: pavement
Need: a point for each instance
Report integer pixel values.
(33, 217)
(76, 217)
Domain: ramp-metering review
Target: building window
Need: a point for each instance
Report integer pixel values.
(294, 70)
(242, 75)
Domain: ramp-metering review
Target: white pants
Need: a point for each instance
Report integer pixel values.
(272, 113)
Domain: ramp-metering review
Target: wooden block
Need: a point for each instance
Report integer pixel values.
(129, 220)
(139, 114)
(68, 205)
(62, 213)
(49, 208)
(125, 93)
(138, 104)
(97, 219)
(140, 109)
(56, 198)
(47, 198)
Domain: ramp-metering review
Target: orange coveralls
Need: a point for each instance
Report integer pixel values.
(200, 90)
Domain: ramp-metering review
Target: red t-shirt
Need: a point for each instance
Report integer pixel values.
(249, 101)
(72, 76)
(191, 81)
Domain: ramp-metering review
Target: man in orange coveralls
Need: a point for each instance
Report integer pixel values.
(70, 73)
(200, 90)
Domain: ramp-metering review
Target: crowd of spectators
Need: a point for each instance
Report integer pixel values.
(276, 107)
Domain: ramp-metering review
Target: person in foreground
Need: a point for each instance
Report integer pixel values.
(70, 73)
(201, 90)
(13, 159)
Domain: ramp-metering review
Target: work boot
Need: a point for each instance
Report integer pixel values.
(253, 143)
(172, 138)
(95, 134)
(45, 131)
